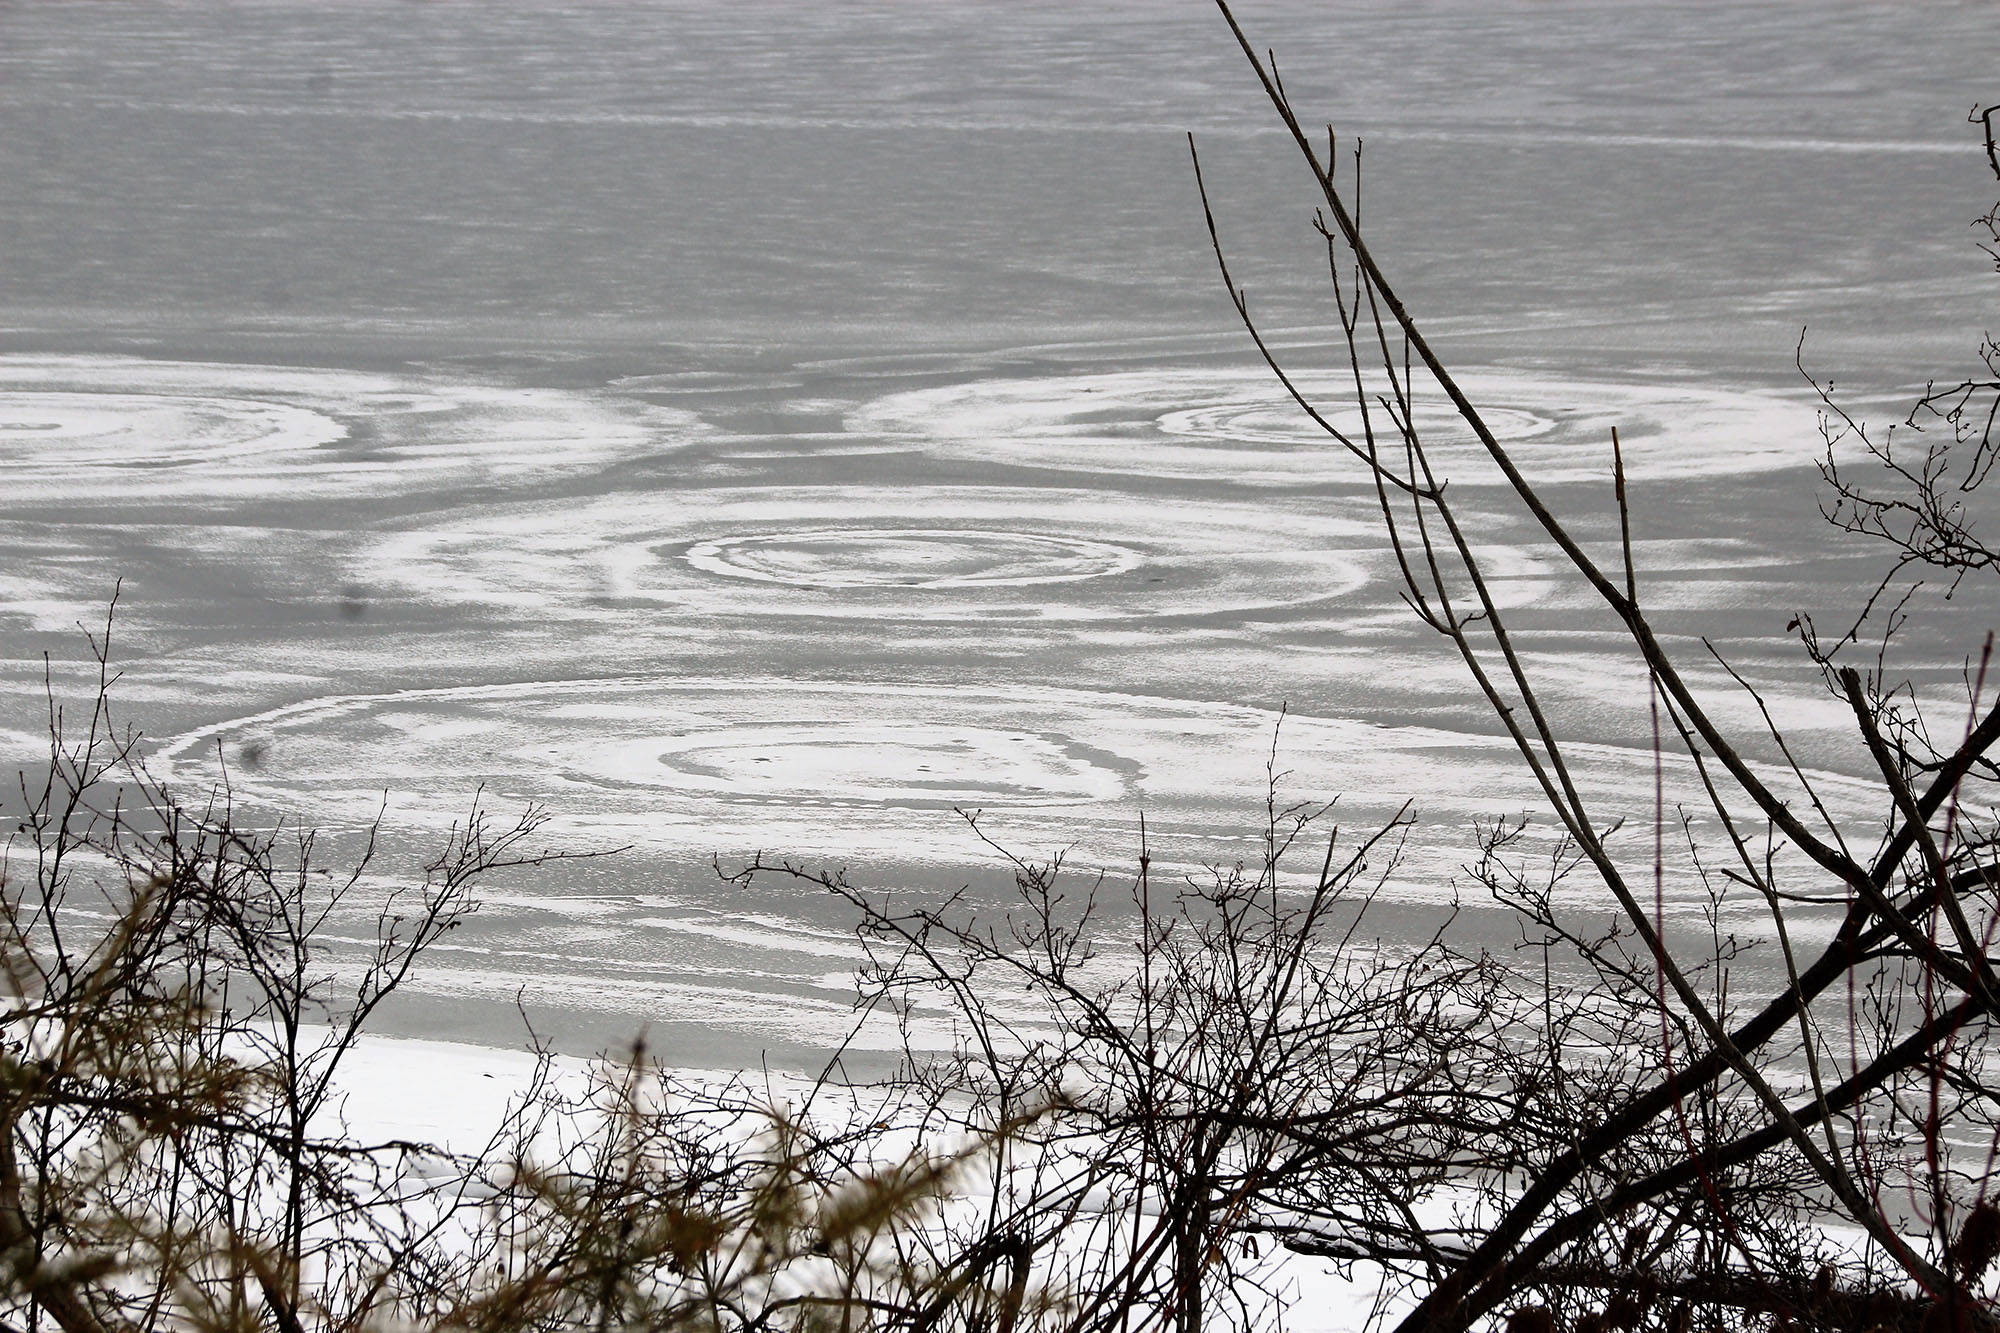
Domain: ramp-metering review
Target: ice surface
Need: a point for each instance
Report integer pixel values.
(766, 427)
(1242, 425)
(131, 432)
(1013, 552)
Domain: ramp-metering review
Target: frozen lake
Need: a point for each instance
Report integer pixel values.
(773, 426)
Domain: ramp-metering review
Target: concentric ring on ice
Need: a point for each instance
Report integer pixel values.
(863, 775)
(1275, 419)
(907, 553)
(643, 744)
(868, 771)
(854, 763)
(1241, 425)
(118, 430)
(50, 432)
(911, 558)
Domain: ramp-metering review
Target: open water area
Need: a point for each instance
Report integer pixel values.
(781, 426)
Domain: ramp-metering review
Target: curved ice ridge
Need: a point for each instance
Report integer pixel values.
(863, 770)
(861, 763)
(47, 434)
(911, 558)
(1241, 425)
(919, 553)
(118, 430)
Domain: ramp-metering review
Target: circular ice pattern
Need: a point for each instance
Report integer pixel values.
(911, 558)
(899, 553)
(869, 772)
(1276, 420)
(1242, 426)
(122, 430)
(855, 763)
(47, 434)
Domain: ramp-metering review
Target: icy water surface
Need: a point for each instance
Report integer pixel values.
(781, 426)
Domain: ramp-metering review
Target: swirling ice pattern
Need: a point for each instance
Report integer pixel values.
(930, 553)
(855, 763)
(870, 772)
(46, 434)
(687, 755)
(119, 430)
(911, 558)
(1242, 426)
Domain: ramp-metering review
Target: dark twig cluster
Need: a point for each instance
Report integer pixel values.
(175, 1036)
(1915, 484)
(1732, 1111)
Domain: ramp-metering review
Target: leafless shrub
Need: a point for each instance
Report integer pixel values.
(170, 1048)
(1188, 1077)
(1717, 1126)
(172, 1151)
